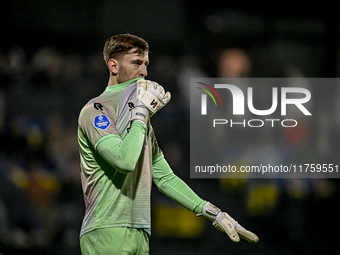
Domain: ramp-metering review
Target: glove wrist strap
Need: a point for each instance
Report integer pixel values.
(209, 211)
(139, 114)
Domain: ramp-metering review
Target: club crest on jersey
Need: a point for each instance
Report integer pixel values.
(101, 121)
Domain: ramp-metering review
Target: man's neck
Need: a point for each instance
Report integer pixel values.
(112, 81)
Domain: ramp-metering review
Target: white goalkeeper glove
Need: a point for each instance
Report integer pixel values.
(150, 98)
(223, 222)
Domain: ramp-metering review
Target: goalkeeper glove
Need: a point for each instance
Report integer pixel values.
(150, 98)
(223, 222)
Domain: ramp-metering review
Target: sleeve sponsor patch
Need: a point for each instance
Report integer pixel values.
(101, 121)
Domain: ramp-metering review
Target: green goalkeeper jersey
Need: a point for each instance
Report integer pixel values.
(119, 161)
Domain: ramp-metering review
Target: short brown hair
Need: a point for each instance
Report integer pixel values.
(119, 45)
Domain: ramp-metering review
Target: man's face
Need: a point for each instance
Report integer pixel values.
(132, 66)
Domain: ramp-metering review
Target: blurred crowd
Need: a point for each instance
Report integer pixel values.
(41, 95)
(41, 203)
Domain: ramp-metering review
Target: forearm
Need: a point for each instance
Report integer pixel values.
(175, 188)
(123, 154)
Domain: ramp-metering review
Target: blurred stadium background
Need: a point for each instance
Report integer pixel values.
(51, 65)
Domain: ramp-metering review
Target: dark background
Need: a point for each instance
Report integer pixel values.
(51, 65)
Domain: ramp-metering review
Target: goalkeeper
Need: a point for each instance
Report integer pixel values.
(120, 158)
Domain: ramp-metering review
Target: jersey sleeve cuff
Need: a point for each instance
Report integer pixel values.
(139, 124)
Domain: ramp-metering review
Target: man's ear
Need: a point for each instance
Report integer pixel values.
(113, 65)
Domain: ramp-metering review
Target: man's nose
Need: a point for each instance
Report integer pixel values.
(143, 70)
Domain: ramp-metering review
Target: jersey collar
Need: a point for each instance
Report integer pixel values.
(121, 85)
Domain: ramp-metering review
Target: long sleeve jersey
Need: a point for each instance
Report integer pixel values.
(119, 161)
